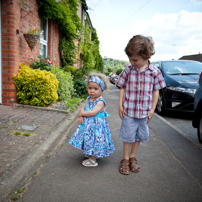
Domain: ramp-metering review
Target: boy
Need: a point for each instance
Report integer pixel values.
(140, 83)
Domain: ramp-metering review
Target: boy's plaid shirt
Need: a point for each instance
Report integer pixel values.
(139, 87)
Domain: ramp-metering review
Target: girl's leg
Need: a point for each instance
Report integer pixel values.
(126, 150)
(93, 158)
(135, 146)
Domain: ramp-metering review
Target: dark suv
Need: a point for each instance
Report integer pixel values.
(197, 117)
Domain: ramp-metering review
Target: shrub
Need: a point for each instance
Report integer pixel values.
(80, 73)
(80, 86)
(118, 71)
(42, 64)
(70, 69)
(35, 87)
(66, 85)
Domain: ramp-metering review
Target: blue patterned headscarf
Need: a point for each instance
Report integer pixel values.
(97, 80)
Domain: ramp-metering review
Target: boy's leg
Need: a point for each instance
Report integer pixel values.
(126, 150)
(134, 167)
(124, 168)
(135, 146)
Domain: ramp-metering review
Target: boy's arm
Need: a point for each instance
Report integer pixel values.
(121, 95)
(154, 103)
(98, 107)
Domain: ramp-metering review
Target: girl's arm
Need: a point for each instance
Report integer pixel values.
(83, 108)
(98, 107)
(80, 118)
(121, 95)
(154, 102)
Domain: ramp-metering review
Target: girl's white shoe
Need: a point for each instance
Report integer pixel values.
(89, 163)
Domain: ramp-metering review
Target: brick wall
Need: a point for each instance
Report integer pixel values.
(53, 41)
(14, 47)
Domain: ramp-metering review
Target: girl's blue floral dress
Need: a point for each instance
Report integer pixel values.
(93, 134)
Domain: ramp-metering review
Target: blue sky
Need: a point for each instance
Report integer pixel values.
(174, 25)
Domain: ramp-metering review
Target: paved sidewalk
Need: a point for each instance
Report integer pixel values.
(21, 155)
(170, 168)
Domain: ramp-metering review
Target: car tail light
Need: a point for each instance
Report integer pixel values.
(200, 78)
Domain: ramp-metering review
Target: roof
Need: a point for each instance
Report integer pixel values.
(197, 57)
(89, 21)
(84, 5)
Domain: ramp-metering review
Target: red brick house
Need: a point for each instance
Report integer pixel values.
(17, 19)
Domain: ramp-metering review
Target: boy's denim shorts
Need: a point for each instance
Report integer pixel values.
(133, 129)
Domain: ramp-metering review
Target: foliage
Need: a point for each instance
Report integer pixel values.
(35, 87)
(75, 38)
(70, 69)
(65, 88)
(87, 51)
(118, 71)
(17, 194)
(100, 64)
(66, 84)
(73, 103)
(113, 65)
(90, 51)
(42, 64)
(80, 86)
(64, 13)
(110, 69)
(19, 133)
(80, 74)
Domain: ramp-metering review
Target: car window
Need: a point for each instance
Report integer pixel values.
(182, 67)
(156, 64)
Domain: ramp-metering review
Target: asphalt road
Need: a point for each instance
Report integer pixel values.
(170, 169)
(184, 122)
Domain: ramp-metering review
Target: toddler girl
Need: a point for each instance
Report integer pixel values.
(93, 133)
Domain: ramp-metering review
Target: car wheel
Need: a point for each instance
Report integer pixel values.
(199, 129)
(160, 108)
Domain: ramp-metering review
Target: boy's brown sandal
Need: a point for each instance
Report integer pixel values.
(134, 167)
(124, 168)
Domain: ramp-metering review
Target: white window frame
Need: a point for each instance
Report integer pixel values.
(43, 41)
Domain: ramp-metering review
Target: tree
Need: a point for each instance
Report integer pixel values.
(113, 65)
(109, 69)
(119, 71)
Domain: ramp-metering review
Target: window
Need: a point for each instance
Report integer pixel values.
(157, 65)
(44, 38)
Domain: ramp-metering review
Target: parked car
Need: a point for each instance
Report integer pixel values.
(197, 117)
(113, 79)
(181, 78)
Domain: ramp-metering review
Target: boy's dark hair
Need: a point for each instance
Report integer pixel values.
(140, 45)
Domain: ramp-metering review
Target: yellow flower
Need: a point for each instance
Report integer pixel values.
(33, 31)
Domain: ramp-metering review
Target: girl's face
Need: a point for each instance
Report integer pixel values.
(138, 62)
(94, 90)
